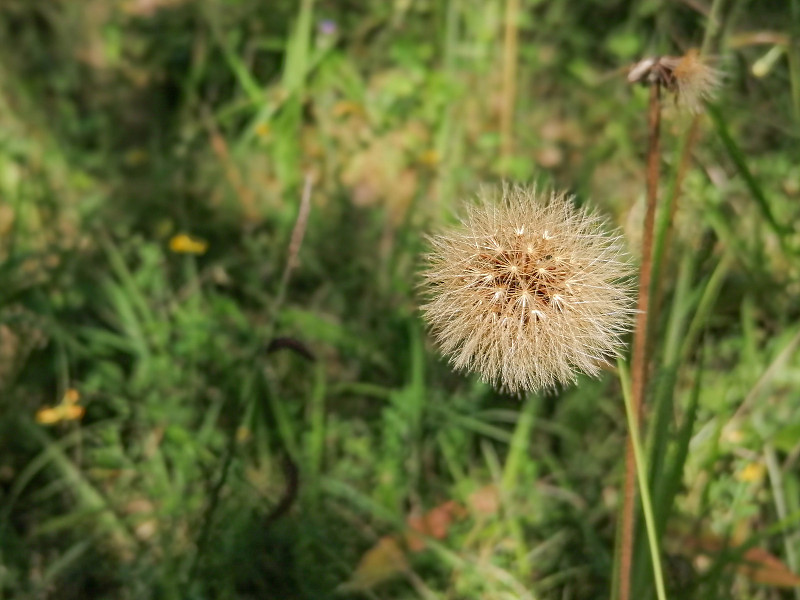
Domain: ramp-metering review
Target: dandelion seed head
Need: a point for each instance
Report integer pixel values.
(695, 80)
(690, 77)
(528, 290)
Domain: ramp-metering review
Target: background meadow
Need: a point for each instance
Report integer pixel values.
(197, 403)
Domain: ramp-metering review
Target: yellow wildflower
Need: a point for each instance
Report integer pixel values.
(345, 108)
(751, 472)
(185, 244)
(429, 158)
(66, 410)
(263, 130)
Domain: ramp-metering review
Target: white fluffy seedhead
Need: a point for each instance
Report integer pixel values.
(528, 290)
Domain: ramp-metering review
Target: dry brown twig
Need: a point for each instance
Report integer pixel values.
(296, 239)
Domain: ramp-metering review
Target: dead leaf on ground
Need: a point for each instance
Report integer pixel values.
(762, 567)
(387, 558)
(435, 523)
(384, 561)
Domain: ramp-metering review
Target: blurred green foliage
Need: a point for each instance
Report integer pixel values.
(124, 123)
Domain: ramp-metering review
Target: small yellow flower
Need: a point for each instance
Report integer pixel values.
(263, 130)
(429, 158)
(66, 410)
(733, 436)
(186, 244)
(345, 108)
(751, 473)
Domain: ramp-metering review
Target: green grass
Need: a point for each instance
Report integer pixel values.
(120, 130)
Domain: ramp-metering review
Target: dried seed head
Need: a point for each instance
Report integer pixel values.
(689, 77)
(528, 291)
(695, 81)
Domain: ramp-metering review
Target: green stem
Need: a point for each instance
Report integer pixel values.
(641, 472)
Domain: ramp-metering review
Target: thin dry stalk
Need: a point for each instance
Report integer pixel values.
(509, 78)
(639, 361)
(203, 538)
(296, 240)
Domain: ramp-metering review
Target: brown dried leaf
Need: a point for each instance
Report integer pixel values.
(762, 567)
(435, 523)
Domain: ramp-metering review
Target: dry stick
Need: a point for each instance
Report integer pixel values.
(509, 79)
(295, 241)
(639, 362)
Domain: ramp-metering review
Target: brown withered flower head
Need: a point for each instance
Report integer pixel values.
(528, 290)
(690, 78)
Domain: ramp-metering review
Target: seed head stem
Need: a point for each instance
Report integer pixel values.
(663, 237)
(639, 359)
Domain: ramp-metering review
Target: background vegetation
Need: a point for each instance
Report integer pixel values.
(181, 419)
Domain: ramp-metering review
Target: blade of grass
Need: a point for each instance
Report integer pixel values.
(777, 365)
(247, 82)
(288, 156)
(127, 284)
(452, 458)
(517, 454)
(474, 424)
(740, 162)
(794, 59)
(705, 306)
(779, 498)
(683, 301)
(87, 496)
(297, 50)
(520, 442)
(667, 486)
(64, 562)
(679, 340)
(644, 488)
(287, 429)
